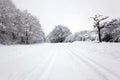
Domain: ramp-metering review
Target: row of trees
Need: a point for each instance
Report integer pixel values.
(108, 31)
(18, 27)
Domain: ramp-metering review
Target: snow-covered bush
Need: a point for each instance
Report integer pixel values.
(116, 35)
(58, 34)
(70, 38)
(82, 36)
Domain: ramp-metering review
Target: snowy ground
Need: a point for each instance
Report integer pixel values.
(67, 61)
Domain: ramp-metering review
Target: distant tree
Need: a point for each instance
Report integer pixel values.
(58, 34)
(97, 24)
(70, 38)
(81, 36)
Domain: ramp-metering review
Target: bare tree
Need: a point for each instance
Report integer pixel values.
(97, 24)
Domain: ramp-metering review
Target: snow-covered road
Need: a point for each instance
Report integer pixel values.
(67, 61)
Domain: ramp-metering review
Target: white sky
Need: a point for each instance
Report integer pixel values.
(74, 14)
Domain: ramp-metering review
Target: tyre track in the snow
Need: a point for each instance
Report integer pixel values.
(24, 74)
(98, 68)
(49, 65)
(78, 64)
(39, 70)
(112, 52)
(84, 61)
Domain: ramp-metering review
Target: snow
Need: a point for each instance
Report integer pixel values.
(61, 61)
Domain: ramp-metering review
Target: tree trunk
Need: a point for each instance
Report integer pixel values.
(99, 35)
(27, 39)
(13, 36)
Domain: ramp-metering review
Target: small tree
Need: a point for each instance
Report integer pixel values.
(97, 24)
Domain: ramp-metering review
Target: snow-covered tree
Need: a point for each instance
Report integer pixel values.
(111, 32)
(29, 29)
(17, 26)
(97, 24)
(7, 10)
(58, 34)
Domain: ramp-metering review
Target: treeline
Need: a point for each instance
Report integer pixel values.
(107, 31)
(20, 27)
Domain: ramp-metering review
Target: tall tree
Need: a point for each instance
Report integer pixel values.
(18, 27)
(99, 25)
(29, 28)
(7, 10)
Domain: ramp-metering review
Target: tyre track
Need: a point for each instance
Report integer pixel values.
(101, 70)
(37, 72)
(100, 66)
(80, 60)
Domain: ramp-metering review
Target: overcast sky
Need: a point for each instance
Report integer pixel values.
(74, 14)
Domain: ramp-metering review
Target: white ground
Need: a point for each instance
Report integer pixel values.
(67, 61)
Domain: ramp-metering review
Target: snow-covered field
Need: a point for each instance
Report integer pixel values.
(67, 61)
